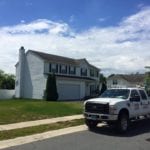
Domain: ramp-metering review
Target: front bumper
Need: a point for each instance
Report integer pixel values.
(100, 117)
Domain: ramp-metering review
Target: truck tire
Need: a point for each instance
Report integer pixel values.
(123, 122)
(91, 124)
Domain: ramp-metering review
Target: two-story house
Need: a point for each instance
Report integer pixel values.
(75, 78)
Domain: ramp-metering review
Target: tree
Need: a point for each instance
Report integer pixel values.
(7, 81)
(147, 83)
(1, 77)
(51, 88)
(103, 83)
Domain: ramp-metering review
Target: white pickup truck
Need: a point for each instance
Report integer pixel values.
(119, 106)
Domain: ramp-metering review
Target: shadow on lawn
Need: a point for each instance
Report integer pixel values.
(136, 128)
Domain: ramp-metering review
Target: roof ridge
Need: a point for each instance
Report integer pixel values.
(52, 54)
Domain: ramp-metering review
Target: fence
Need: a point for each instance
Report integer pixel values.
(6, 94)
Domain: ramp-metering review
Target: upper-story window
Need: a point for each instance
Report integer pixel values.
(53, 68)
(92, 72)
(72, 70)
(97, 73)
(115, 82)
(83, 72)
(63, 69)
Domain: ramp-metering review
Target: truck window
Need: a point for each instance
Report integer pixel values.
(116, 93)
(143, 95)
(135, 96)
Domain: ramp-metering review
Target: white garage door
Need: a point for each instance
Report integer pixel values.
(68, 91)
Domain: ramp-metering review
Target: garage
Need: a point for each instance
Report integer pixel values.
(68, 91)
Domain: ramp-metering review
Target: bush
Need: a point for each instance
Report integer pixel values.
(7, 81)
(51, 88)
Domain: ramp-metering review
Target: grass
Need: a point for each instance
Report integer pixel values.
(13, 111)
(4, 135)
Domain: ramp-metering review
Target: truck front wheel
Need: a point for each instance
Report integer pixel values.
(91, 123)
(123, 122)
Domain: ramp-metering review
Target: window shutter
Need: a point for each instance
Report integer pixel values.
(50, 67)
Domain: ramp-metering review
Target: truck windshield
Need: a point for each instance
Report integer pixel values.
(116, 93)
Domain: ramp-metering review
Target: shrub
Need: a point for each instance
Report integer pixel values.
(51, 88)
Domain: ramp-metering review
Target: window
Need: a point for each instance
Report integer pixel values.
(143, 95)
(116, 93)
(72, 70)
(53, 68)
(91, 72)
(97, 73)
(63, 69)
(115, 82)
(83, 72)
(134, 96)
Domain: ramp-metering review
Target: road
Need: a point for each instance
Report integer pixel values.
(103, 138)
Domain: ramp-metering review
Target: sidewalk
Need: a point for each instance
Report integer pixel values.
(38, 122)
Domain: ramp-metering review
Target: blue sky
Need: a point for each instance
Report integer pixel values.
(79, 14)
(103, 31)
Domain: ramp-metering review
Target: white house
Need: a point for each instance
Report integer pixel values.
(125, 80)
(75, 78)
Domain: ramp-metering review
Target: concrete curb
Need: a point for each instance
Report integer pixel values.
(41, 136)
(38, 122)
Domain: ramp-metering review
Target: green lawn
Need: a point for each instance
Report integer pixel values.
(12, 111)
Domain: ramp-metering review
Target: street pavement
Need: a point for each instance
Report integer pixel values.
(102, 138)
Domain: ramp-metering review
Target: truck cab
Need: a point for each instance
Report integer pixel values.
(117, 105)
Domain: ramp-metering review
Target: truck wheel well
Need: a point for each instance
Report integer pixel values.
(124, 110)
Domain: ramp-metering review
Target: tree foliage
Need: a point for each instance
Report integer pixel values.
(7, 81)
(103, 82)
(51, 88)
(147, 83)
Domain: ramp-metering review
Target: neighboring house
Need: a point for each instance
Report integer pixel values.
(75, 78)
(125, 80)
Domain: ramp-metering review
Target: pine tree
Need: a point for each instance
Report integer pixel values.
(104, 83)
(51, 88)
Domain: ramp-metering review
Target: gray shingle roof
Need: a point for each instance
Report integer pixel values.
(60, 59)
(55, 58)
(132, 78)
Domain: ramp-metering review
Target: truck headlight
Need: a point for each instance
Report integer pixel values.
(112, 109)
(84, 103)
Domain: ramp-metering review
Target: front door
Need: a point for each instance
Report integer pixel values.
(145, 104)
(135, 103)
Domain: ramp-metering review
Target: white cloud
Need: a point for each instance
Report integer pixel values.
(119, 49)
(37, 26)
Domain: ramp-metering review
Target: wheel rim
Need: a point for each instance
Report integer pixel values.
(124, 124)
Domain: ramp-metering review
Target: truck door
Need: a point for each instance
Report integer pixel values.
(135, 103)
(145, 104)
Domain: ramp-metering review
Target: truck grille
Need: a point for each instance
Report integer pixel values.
(97, 108)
